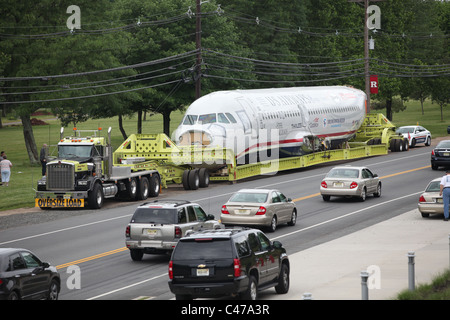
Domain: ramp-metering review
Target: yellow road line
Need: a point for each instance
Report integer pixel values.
(100, 255)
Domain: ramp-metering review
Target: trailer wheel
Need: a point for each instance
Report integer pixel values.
(143, 189)
(405, 145)
(155, 185)
(194, 179)
(185, 179)
(204, 177)
(96, 197)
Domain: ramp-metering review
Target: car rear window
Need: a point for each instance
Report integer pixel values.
(154, 215)
(444, 144)
(203, 249)
(343, 173)
(249, 197)
(433, 187)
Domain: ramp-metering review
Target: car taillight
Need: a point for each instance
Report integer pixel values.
(170, 269)
(225, 210)
(422, 199)
(432, 152)
(127, 232)
(178, 232)
(261, 211)
(323, 184)
(353, 185)
(237, 267)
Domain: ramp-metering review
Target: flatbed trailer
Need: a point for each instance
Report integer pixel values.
(193, 165)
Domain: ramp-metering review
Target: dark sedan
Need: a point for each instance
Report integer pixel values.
(440, 155)
(24, 276)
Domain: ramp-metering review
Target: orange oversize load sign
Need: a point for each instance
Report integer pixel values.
(59, 203)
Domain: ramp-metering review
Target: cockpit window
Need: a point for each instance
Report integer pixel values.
(230, 116)
(222, 119)
(190, 119)
(207, 118)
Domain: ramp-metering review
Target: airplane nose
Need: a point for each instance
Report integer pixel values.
(195, 137)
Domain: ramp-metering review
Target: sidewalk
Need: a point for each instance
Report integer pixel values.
(331, 271)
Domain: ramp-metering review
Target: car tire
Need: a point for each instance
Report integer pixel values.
(326, 198)
(53, 290)
(273, 224)
(428, 142)
(363, 195)
(293, 220)
(434, 166)
(413, 143)
(283, 280)
(252, 290)
(378, 193)
(425, 215)
(136, 254)
(13, 295)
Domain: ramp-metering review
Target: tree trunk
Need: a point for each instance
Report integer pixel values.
(30, 143)
(166, 122)
(389, 109)
(139, 123)
(122, 130)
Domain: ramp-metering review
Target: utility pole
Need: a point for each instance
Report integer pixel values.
(366, 49)
(198, 45)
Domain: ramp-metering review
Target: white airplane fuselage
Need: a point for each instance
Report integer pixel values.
(292, 121)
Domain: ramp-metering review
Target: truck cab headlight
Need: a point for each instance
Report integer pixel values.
(82, 182)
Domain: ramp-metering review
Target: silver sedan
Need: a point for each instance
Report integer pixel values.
(259, 207)
(350, 181)
(430, 202)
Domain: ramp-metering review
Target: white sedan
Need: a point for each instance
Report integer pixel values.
(415, 135)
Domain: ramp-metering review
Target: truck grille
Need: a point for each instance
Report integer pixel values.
(60, 176)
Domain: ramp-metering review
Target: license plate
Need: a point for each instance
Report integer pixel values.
(202, 272)
(59, 203)
(242, 211)
(152, 232)
(446, 154)
(338, 184)
(439, 200)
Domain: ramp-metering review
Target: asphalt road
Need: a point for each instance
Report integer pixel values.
(94, 240)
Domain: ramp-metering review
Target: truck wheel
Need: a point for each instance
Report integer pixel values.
(96, 198)
(194, 179)
(143, 189)
(155, 186)
(204, 177)
(132, 189)
(185, 179)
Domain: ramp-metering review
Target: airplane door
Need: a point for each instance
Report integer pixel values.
(304, 116)
(251, 116)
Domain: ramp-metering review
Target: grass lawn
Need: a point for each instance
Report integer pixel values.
(20, 193)
(438, 289)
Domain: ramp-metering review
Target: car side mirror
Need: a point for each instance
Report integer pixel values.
(210, 217)
(289, 199)
(277, 245)
(375, 175)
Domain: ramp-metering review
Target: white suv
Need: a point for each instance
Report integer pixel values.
(157, 226)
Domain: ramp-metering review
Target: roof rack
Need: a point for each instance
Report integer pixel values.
(177, 202)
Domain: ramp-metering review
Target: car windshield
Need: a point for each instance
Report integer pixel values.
(249, 197)
(202, 249)
(343, 173)
(154, 215)
(406, 130)
(444, 144)
(434, 186)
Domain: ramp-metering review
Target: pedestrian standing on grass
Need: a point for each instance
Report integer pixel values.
(445, 193)
(5, 166)
(1, 158)
(43, 159)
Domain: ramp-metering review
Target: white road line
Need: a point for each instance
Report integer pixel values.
(272, 239)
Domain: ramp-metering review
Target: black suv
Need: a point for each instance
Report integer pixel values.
(236, 262)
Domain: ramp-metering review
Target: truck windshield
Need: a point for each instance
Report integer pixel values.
(74, 151)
